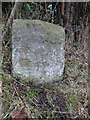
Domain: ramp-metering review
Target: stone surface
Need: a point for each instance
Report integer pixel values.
(37, 50)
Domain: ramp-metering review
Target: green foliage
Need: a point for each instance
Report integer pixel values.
(6, 79)
(7, 97)
(36, 11)
(71, 103)
(32, 93)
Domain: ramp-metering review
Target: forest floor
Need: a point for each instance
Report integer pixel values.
(62, 99)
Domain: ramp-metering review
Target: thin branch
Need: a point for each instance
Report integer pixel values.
(10, 19)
